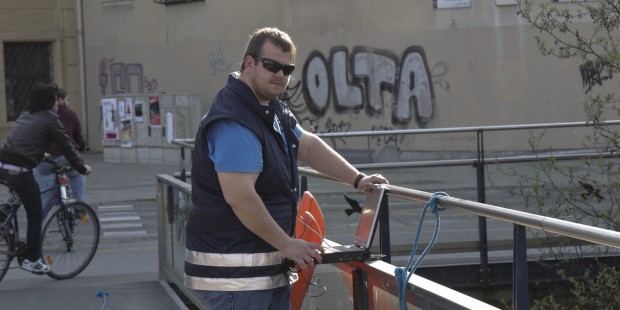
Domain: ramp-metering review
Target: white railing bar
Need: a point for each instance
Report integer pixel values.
(544, 223)
(462, 129)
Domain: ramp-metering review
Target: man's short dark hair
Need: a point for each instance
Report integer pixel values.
(62, 94)
(275, 36)
(42, 97)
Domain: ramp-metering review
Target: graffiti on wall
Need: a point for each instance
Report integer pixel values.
(592, 74)
(365, 81)
(218, 62)
(356, 81)
(121, 78)
(362, 81)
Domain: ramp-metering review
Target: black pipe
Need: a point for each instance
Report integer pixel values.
(483, 245)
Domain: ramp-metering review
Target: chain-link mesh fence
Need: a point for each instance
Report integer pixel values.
(25, 65)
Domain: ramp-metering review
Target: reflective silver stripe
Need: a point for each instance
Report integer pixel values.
(234, 260)
(13, 168)
(236, 284)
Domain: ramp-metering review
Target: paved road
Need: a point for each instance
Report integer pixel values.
(126, 263)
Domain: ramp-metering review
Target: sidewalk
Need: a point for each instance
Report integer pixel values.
(114, 182)
(126, 289)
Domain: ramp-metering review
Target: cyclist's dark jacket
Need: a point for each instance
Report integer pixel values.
(72, 125)
(32, 135)
(222, 254)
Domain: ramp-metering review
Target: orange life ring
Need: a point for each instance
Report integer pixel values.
(310, 226)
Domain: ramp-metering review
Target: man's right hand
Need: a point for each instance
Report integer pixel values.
(303, 253)
(88, 170)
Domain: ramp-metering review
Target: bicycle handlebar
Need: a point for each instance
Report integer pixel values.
(58, 166)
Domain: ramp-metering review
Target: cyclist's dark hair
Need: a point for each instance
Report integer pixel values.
(62, 94)
(42, 97)
(275, 36)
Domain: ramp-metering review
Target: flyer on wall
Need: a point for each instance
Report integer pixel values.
(138, 111)
(154, 114)
(126, 133)
(126, 123)
(129, 108)
(108, 119)
(121, 109)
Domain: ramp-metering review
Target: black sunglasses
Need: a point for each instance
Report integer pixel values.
(274, 66)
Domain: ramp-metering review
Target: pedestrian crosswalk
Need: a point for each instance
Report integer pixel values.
(120, 221)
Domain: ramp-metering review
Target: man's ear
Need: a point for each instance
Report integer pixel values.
(249, 62)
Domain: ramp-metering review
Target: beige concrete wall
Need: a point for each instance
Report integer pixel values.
(359, 63)
(42, 20)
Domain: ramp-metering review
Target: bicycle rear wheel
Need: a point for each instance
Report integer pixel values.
(70, 240)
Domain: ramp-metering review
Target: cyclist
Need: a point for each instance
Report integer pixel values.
(23, 149)
(44, 173)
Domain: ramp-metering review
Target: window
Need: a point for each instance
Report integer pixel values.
(25, 65)
(166, 2)
(117, 2)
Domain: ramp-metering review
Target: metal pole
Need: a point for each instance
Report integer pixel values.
(520, 297)
(384, 230)
(303, 184)
(183, 173)
(360, 294)
(482, 221)
(170, 211)
(82, 67)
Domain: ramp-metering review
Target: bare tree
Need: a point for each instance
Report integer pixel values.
(588, 192)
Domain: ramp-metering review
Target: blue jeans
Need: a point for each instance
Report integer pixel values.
(44, 174)
(28, 191)
(273, 299)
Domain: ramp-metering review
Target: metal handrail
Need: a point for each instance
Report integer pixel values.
(474, 161)
(379, 272)
(186, 142)
(178, 184)
(518, 218)
(544, 223)
(189, 142)
(462, 129)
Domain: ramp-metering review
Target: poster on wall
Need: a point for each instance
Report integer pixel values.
(169, 127)
(126, 133)
(138, 110)
(451, 4)
(129, 108)
(126, 122)
(108, 119)
(121, 109)
(154, 114)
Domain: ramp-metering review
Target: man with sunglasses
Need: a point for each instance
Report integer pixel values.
(245, 185)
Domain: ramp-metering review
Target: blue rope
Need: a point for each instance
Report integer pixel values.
(103, 294)
(401, 274)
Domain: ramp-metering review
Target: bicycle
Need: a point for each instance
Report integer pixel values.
(70, 234)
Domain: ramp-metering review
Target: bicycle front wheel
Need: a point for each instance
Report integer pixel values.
(70, 240)
(6, 247)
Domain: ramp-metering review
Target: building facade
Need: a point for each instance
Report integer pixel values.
(361, 66)
(39, 43)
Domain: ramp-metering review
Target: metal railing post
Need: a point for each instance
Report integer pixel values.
(360, 294)
(183, 172)
(170, 211)
(483, 244)
(303, 185)
(384, 230)
(520, 279)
